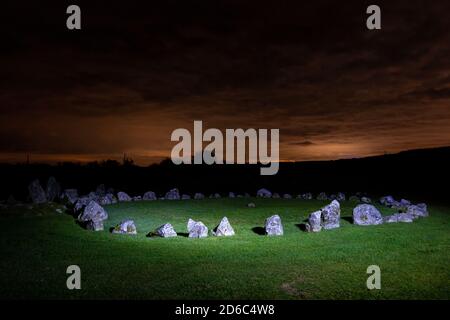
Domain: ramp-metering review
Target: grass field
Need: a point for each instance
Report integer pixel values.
(37, 246)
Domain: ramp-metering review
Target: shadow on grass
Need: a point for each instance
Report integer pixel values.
(348, 219)
(301, 226)
(183, 234)
(259, 231)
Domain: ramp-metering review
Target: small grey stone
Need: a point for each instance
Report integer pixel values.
(107, 199)
(366, 200)
(199, 196)
(125, 227)
(223, 229)
(307, 196)
(197, 229)
(264, 193)
(387, 201)
(327, 218)
(123, 197)
(275, 195)
(149, 195)
(251, 205)
(166, 231)
(398, 217)
(274, 226)
(366, 214)
(93, 211)
(81, 203)
(340, 197)
(322, 196)
(419, 210)
(287, 196)
(173, 194)
(314, 222)
(331, 215)
(405, 203)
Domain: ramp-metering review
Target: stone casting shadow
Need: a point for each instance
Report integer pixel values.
(259, 231)
(348, 219)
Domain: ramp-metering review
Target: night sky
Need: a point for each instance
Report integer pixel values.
(138, 70)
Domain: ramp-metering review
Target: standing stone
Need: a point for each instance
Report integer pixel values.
(273, 226)
(353, 198)
(223, 229)
(307, 196)
(173, 194)
(123, 197)
(340, 197)
(125, 227)
(53, 189)
(417, 211)
(216, 196)
(231, 195)
(331, 215)
(366, 200)
(137, 198)
(108, 198)
(197, 229)
(322, 196)
(327, 218)
(101, 190)
(190, 224)
(387, 201)
(399, 217)
(81, 203)
(149, 195)
(276, 195)
(70, 195)
(246, 195)
(314, 222)
(366, 214)
(405, 203)
(185, 197)
(166, 231)
(37, 194)
(264, 193)
(95, 225)
(199, 196)
(287, 196)
(93, 211)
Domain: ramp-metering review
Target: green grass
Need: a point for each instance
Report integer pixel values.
(38, 246)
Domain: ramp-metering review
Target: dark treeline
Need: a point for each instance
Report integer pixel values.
(421, 174)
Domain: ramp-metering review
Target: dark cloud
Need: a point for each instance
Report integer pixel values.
(138, 70)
